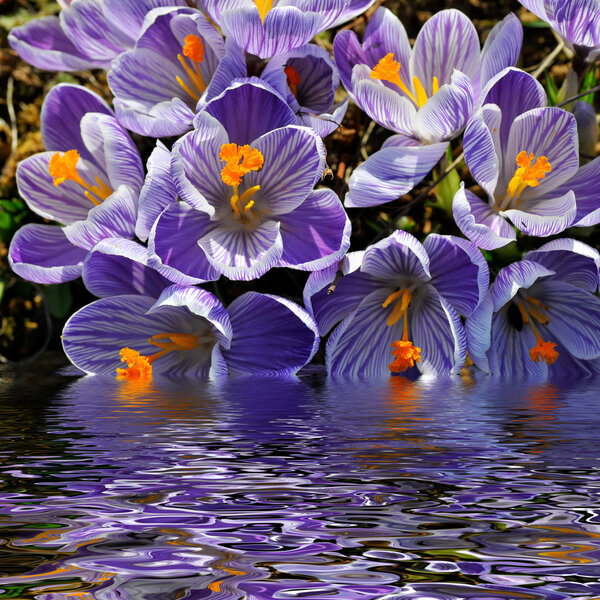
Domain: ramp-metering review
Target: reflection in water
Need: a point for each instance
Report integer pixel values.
(297, 488)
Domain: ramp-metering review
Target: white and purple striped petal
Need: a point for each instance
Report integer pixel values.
(42, 253)
(271, 336)
(316, 234)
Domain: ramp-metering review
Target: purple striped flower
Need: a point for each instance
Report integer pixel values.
(541, 315)
(245, 176)
(177, 65)
(188, 332)
(89, 180)
(308, 79)
(88, 34)
(269, 28)
(424, 95)
(576, 21)
(397, 306)
(525, 156)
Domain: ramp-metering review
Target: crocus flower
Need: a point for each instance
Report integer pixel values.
(268, 28)
(540, 315)
(88, 180)
(397, 306)
(177, 65)
(425, 95)
(188, 332)
(246, 176)
(525, 156)
(308, 78)
(87, 34)
(576, 21)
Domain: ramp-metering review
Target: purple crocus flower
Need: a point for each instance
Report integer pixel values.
(87, 34)
(177, 65)
(541, 315)
(88, 180)
(188, 332)
(576, 21)
(525, 156)
(308, 78)
(425, 95)
(268, 28)
(398, 306)
(246, 177)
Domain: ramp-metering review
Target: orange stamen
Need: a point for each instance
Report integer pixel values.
(239, 161)
(544, 351)
(140, 367)
(405, 355)
(63, 168)
(404, 352)
(528, 174)
(293, 79)
(193, 48)
(387, 69)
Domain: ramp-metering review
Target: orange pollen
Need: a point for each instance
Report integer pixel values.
(544, 351)
(405, 354)
(63, 168)
(140, 367)
(528, 174)
(193, 48)
(239, 161)
(293, 79)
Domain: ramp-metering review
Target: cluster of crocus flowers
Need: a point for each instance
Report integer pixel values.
(236, 187)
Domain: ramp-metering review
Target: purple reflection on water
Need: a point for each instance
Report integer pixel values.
(299, 488)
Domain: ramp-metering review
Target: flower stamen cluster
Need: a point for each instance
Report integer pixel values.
(293, 79)
(193, 49)
(64, 168)
(388, 69)
(528, 174)
(543, 350)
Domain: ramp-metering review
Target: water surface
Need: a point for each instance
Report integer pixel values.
(257, 488)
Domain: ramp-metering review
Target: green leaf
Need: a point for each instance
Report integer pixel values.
(5, 220)
(589, 81)
(59, 299)
(551, 90)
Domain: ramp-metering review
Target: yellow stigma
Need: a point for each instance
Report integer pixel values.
(264, 6)
(140, 367)
(388, 69)
(193, 50)
(543, 350)
(404, 352)
(63, 168)
(293, 79)
(527, 174)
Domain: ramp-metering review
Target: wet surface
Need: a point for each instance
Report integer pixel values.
(303, 488)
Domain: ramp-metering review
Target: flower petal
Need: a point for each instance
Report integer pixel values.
(437, 330)
(42, 253)
(62, 111)
(397, 256)
(249, 108)
(445, 114)
(173, 245)
(501, 49)
(294, 159)
(572, 261)
(447, 41)
(458, 270)
(271, 336)
(390, 173)
(361, 345)
(115, 217)
(284, 28)
(479, 222)
(544, 216)
(117, 266)
(511, 279)
(574, 317)
(316, 234)
(242, 254)
(158, 190)
(44, 44)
